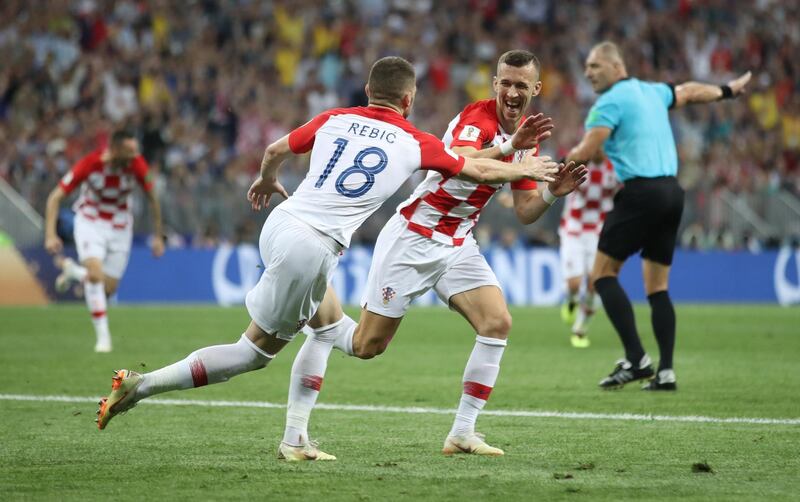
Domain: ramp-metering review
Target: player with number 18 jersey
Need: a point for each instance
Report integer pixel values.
(359, 158)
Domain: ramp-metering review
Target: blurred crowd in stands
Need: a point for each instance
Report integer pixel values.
(207, 84)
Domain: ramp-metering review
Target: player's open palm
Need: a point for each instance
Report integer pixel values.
(532, 131)
(261, 191)
(539, 168)
(569, 177)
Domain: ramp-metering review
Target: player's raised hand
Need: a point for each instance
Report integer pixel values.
(569, 177)
(737, 85)
(539, 168)
(157, 246)
(53, 244)
(532, 131)
(261, 191)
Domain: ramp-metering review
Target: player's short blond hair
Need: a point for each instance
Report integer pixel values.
(390, 79)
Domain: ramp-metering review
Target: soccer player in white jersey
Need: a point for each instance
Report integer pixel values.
(103, 223)
(582, 219)
(428, 244)
(359, 158)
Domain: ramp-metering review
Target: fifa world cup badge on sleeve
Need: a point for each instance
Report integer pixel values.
(469, 133)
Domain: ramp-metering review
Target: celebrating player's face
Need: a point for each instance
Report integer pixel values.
(515, 86)
(123, 153)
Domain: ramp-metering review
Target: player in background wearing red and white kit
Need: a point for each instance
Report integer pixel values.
(428, 244)
(582, 219)
(359, 158)
(103, 223)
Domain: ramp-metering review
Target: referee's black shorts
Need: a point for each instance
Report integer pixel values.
(646, 216)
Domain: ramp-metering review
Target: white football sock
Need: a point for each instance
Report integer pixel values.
(479, 379)
(205, 366)
(572, 298)
(308, 372)
(95, 293)
(585, 313)
(344, 335)
(74, 271)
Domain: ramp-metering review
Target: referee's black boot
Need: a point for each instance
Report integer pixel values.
(665, 380)
(625, 372)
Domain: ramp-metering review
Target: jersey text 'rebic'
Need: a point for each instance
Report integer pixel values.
(367, 131)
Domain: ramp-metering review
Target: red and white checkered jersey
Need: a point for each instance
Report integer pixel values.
(359, 157)
(446, 209)
(105, 189)
(585, 209)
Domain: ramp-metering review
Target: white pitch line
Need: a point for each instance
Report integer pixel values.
(429, 411)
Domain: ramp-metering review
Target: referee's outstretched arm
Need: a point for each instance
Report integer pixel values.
(591, 145)
(695, 92)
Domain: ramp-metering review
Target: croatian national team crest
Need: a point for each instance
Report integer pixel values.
(300, 324)
(388, 294)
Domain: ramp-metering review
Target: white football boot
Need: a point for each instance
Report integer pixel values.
(472, 443)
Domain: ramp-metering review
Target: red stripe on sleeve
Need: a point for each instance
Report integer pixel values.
(302, 139)
(141, 172)
(524, 185)
(434, 155)
(80, 171)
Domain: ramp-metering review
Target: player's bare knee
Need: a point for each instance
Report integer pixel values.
(94, 276)
(653, 288)
(574, 284)
(497, 326)
(594, 278)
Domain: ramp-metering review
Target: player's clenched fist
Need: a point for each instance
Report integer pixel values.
(53, 244)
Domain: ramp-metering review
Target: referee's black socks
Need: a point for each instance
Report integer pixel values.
(619, 309)
(662, 316)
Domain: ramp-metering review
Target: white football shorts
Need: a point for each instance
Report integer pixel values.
(406, 265)
(99, 239)
(298, 264)
(577, 253)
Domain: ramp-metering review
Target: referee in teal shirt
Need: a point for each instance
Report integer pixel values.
(630, 123)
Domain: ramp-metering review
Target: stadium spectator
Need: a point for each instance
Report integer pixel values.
(197, 70)
(630, 124)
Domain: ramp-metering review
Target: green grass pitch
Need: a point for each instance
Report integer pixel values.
(731, 361)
